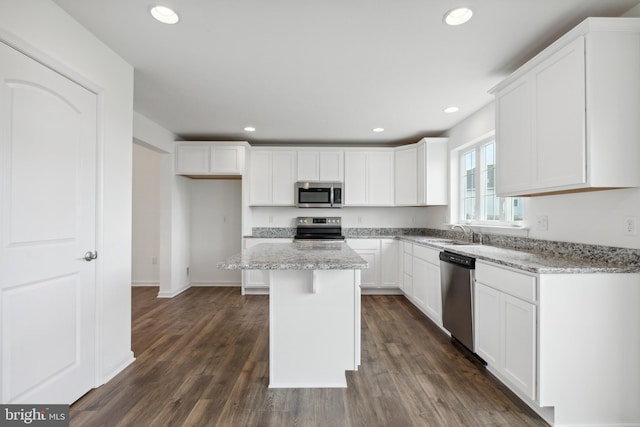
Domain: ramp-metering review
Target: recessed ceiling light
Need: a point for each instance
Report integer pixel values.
(378, 129)
(451, 110)
(250, 129)
(164, 15)
(458, 16)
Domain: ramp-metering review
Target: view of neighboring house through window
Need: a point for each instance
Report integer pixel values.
(479, 202)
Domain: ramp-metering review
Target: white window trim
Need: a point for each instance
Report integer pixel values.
(455, 208)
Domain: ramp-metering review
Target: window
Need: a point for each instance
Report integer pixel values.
(478, 200)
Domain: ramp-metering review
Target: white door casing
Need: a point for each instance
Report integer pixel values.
(48, 140)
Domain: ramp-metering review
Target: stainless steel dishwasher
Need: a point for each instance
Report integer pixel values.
(456, 277)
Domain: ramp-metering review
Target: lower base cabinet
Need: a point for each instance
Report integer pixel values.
(421, 282)
(506, 336)
(382, 256)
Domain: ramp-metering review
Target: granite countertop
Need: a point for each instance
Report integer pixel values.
(296, 256)
(532, 261)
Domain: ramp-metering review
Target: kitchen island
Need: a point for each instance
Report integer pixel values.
(314, 310)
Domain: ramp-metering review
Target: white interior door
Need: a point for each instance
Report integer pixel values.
(47, 210)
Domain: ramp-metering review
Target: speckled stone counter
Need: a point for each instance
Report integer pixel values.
(540, 262)
(296, 256)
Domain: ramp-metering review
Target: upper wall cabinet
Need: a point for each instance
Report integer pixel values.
(271, 177)
(567, 120)
(320, 165)
(214, 159)
(368, 177)
(421, 173)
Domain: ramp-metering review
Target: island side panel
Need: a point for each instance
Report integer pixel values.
(314, 337)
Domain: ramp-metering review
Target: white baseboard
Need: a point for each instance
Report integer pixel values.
(144, 284)
(216, 284)
(119, 368)
(380, 291)
(171, 294)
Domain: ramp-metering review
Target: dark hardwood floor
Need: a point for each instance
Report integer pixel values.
(202, 360)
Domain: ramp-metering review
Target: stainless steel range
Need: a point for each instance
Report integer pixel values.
(319, 228)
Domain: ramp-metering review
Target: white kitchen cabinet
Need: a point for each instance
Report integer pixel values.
(421, 173)
(257, 281)
(382, 256)
(320, 165)
(421, 279)
(505, 316)
(389, 258)
(407, 269)
(368, 179)
(406, 175)
(205, 158)
(369, 249)
(565, 121)
(427, 294)
(271, 178)
(432, 156)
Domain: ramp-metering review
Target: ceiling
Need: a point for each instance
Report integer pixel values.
(329, 71)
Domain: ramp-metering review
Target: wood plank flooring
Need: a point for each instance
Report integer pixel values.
(202, 360)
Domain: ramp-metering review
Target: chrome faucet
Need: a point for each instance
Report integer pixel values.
(465, 229)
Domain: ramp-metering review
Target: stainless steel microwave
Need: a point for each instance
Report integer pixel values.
(318, 194)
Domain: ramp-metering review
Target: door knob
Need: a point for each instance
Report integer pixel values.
(90, 256)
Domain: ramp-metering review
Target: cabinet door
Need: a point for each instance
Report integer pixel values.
(355, 178)
(560, 128)
(519, 343)
(487, 324)
(192, 159)
(433, 301)
(380, 178)
(406, 177)
(227, 160)
(331, 166)
(308, 166)
(514, 142)
(283, 178)
(260, 178)
(389, 258)
(420, 278)
(369, 276)
(432, 176)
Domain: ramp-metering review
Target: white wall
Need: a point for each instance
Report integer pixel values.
(44, 30)
(216, 209)
(352, 217)
(594, 217)
(145, 245)
(175, 208)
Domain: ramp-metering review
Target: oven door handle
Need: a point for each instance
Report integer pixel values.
(331, 196)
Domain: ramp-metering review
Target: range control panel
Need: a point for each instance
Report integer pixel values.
(330, 221)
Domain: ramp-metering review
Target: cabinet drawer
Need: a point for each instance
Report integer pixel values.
(519, 285)
(430, 255)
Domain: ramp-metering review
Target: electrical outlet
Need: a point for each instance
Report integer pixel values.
(187, 271)
(543, 222)
(154, 260)
(414, 220)
(630, 226)
(359, 220)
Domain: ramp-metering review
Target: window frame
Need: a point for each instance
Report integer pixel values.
(505, 204)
